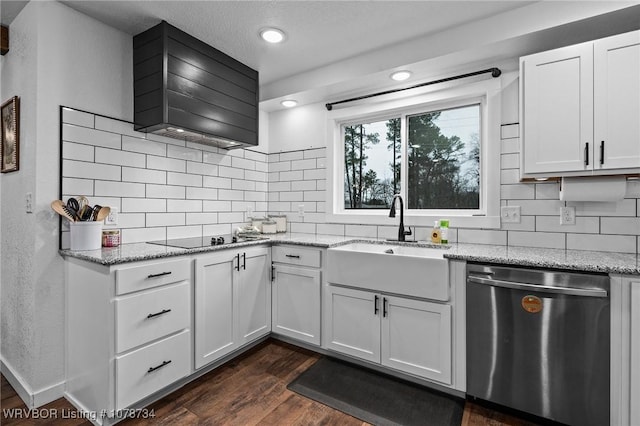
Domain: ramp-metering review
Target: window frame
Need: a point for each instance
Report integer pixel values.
(487, 93)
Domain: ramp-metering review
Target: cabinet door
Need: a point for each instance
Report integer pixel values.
(354, 322)
(557, 110)
(617, 101)
(635, 354)
(416, 337)
(214, 307)
(296, 303)
(254, 295)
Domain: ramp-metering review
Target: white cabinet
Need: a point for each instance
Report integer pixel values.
(128, 331)
(296, 293)
(579, 109)
(635, 353)
(232, 301)
(409, 335)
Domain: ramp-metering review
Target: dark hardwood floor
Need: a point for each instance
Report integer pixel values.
(250, 390)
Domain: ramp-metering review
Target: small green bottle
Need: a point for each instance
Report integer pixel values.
(444, 231)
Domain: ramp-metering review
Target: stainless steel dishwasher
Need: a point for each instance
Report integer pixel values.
(538, 341)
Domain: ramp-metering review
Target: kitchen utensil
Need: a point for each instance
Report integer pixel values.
(73, 207)
(94, 211)
(86, 214)
(102, 213)
(59, 207)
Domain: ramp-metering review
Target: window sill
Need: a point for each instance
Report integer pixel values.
(381, 218)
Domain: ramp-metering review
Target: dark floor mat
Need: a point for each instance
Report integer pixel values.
(376, 398)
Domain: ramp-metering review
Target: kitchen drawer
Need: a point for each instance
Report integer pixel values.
(149, 315)
(152, 275)
(151, 368)
(295, 255)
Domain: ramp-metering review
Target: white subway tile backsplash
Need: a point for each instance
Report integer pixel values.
(144, 175)
(230, 172)
(201, 193)
(510, 146)
(303, 164)
(516, 191)
(143, 146)
(202, 168)
(118, 189)
(165, 219)
(81, 169)
(509, 131)
(314, 196)
(230, 194)
(330, 228)
(255, 175)
(321, 163)
(78, 118)
(584, 225)
(509, 176)
(482, 236)
(184, 205)
(141, 235)
(216, 206)
(217, 229)
(143, 205)
(202, 218)
(315, 153)
(303, 228)
(165, 191)
(244, 185)
(368, 231)
(280, 206)
(547, 191)
(216, 182)
(255, 156)
(262, 167)
(626, 207)
(282, 166)
(279, 186)
(537, 239)
(77, 186)
(293, 175)
(243, 163)
(620, 225)
(130, 220)
(231, 217)
(118, 157)
(184, 231)
(184, 153)
(303, 185)
(292, 155)
(255, 195)
(215, 158)
(76, 151)
(183, 179)
(292, 196)
(538, 207)
(164, 163)
(601, 242)
(115, 126)
(93, 137)
(510, 161)
(527, 223)
(633, 189)
(315, 174)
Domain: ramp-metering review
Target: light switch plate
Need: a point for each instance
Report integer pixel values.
(510, 214)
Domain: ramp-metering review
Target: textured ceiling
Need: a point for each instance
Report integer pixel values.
(318, 32)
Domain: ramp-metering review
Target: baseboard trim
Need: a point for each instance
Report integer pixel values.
(32, 399)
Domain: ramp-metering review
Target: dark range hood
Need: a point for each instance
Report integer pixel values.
(188, 90)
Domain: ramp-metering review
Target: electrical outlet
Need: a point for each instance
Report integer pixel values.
(300, 210)
(567, 215)
(510, 214)
(249, 211)
(112, 218)
(29, 202)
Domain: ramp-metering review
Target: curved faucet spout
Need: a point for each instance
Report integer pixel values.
(392, 213)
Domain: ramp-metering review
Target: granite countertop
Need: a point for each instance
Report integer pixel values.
(578, 260)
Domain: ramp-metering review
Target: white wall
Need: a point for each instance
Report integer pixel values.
(57, 57)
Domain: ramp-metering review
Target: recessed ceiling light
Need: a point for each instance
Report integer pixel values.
(400, 75)
(289, 103)
(272, 35)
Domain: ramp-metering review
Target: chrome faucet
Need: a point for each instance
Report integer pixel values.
(392, 213)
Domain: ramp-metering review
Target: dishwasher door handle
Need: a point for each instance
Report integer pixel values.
(570, 291)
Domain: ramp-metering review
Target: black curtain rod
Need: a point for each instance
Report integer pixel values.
(495, 72)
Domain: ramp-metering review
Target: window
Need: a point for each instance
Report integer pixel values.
(434, 149)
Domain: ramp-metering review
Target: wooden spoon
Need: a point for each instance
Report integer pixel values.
(59, 207)
(103, 213)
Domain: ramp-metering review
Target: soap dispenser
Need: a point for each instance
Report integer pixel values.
(436, 233)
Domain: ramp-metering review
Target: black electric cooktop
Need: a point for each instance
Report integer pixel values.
(198, 242)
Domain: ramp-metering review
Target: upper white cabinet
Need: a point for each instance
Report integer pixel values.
(579, 109)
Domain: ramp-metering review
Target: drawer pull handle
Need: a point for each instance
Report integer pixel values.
(152, 369)
(161, 274)
(157, 314)
(293, 256)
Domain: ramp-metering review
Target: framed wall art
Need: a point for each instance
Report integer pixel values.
(10, 135)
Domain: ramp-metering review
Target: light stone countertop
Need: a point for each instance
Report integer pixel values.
(577, 260)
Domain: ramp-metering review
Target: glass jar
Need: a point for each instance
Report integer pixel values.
(111, 238)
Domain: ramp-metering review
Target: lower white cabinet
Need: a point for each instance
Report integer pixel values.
(409, 335)
(232, 301)
(296, 293)
(635, 353)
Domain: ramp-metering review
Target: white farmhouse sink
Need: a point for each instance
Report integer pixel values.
(411, 271)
